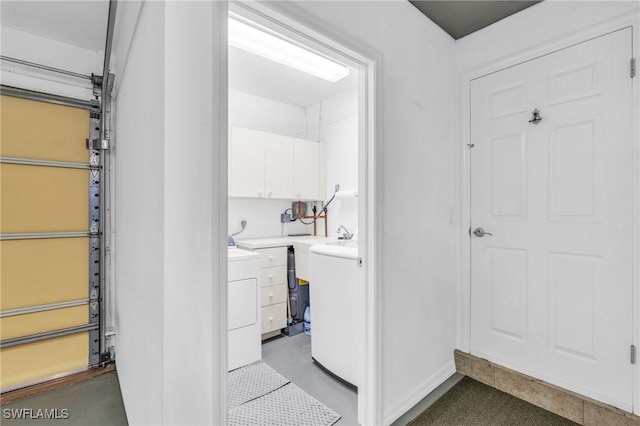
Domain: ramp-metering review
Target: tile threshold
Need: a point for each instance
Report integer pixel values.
(570, 405)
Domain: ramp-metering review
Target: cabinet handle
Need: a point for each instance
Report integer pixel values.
(270, 257)
(270, 318)
(271, 276)
(269, 193)
(270, 295)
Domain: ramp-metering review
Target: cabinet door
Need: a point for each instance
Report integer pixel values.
(306, 167)
(246, 168)
(278, 166)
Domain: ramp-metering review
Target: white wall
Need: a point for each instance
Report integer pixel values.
(334, 122)
(139, 216)
(170, 149)
(416, 182)
(266, 115)
(33, 48)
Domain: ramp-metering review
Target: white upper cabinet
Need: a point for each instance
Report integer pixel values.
(278, 166)
(306, 170)
(247, 163)
(265, 165)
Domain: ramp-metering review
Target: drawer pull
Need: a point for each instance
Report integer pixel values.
(270, 319)
(270, 257)
(270, 295)
(271, 276)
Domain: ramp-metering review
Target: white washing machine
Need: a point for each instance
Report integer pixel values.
(336, 325)
(244, 344)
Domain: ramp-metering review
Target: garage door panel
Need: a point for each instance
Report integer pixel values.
(43, 271)
(41, 322)
(43, 199)
(44, 131)
(49, 273)
(39, 360)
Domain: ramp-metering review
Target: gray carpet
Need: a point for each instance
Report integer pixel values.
(471, 403)
(258, 395)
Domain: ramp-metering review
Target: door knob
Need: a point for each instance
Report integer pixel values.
(479, 232)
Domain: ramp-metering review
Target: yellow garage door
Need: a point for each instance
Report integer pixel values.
(49, 241)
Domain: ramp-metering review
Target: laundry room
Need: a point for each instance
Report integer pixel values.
(293, 193)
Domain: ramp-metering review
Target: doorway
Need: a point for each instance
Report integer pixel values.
(357, 97)
(552, 213)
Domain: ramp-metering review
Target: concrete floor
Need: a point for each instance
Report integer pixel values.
(94, 402)
(98, 401)
(291, 357)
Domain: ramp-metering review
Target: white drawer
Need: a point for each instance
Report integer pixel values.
(273, 294)
(274, 317)
(273, 276)
(273, 257)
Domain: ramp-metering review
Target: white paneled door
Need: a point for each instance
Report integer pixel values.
(551, 286)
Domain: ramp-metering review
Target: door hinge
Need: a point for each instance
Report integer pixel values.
(471, 145)
(100, 144)
(633, 354)
(632, 67)
(360, 262)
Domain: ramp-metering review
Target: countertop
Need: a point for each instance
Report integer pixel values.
(268, 242)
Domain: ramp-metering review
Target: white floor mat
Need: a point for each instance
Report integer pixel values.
(286, 406)
(252, 381)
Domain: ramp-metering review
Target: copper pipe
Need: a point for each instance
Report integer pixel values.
(314, 217)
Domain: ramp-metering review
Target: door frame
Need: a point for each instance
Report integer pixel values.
(369, 155)
(464, 277)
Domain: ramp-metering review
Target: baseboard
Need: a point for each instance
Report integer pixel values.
(49, 385)
(421, 391)
(563, 402)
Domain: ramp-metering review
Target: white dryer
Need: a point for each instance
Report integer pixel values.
(244, 344)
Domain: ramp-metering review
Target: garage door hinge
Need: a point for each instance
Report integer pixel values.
(101, 144)
(633, 354)
(633, 67)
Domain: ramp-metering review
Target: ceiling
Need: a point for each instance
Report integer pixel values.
(264, 78)
(83, 24)
(460, 18)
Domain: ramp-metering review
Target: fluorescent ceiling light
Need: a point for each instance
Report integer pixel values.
(268, 45)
